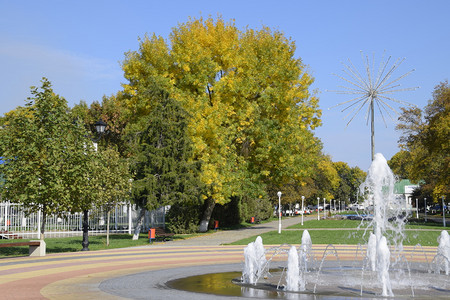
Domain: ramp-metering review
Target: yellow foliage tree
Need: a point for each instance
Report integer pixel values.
(251, 113)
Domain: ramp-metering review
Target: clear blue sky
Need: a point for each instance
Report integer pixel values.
(78, 46)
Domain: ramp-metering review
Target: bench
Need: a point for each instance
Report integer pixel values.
(37, 248)
(161, 233)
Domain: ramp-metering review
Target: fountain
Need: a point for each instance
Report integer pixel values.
(384, 271)
(443, 255)
(379, 268)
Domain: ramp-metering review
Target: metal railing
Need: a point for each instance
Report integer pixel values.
(16, 222)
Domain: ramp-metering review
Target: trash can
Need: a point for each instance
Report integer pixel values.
(151, 234)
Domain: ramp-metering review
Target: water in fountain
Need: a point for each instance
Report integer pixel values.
(388, 219)
(260, 253)
(371, 251)
(250, 269)
(294, 278)
(382, 267)
(298, 264)
(305, 252)
(255, 261)
(443, 253)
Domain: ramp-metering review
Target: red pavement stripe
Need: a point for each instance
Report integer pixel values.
(30, 288)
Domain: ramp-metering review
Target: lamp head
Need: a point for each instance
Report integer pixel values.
(100, 126)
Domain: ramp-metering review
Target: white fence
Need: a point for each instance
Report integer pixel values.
(15, 222)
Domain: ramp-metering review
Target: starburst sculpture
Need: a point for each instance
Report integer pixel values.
(372, 91)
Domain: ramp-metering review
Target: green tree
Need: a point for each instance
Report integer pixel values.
(251, 113)
(400, 164)
(162, 169)
(350, 180)
(47, 156)
(425, 138)
(114, 181)
(326, 178)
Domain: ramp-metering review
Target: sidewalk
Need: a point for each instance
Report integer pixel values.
(228, 236)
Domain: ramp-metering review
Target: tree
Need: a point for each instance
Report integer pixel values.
(250, 111)
(326, 178)
(162, 169)
(113, 114)
(47, 156)
(350, 180)
(114, 179)
(400, 164)
(425, 138)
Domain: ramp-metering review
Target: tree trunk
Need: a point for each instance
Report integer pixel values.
(44, 217)
(139, 222)
(209, 207)
(85, 242)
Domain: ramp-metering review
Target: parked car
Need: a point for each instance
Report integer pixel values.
(307, 211)
(315, 207)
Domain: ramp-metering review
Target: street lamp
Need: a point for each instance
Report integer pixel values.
(100, 127)
(303, 208)
(318, 204)
(279, 212)
(425, 208)
(417, 208)
(443, 212)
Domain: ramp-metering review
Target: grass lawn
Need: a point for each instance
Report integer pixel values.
(330, 223)
(336, 237)
(73, 244)
(425, 234)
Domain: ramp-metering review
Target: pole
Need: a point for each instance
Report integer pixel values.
(318, 203)
(279, 212)
(7, 218)
(417, 208)
(443, 212)
(372, 126)
(303, 208)
(324, 210)
(425, 208)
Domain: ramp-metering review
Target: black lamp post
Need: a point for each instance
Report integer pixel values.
(100, 127)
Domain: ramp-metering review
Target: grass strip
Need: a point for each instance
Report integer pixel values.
(73, 244)
(345, 223)
(338, 237)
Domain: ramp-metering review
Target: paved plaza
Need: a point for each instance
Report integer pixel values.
(135, 273)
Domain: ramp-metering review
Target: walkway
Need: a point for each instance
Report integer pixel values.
(229, 236)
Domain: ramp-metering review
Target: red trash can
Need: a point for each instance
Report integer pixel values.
(151, 234)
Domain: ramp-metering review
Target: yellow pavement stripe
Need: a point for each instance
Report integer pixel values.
(115, 262)
(111, 256)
